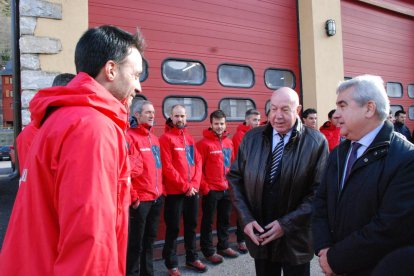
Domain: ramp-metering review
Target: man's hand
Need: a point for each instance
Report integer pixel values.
(249, 231)
(191, 192)
(323, 262)
(135, 204)
(274, 231)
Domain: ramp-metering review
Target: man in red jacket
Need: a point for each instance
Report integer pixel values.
(331, 131)
(251, 120)
(181, 169)
(144, 214)
(216, 151)
(70, 216)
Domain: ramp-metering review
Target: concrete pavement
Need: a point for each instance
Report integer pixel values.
(242, 265)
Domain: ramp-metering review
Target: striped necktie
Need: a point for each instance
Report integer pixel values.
(276, 157)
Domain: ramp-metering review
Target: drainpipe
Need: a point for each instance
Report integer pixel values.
(17, 105)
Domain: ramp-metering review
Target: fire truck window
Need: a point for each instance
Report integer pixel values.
(196, 107)
(411, 90)
(411, 112)
(235, 109)
(235, 75)
(276, 78)
(188, 72)
(395, 108)
(394, 90)
(144, 74)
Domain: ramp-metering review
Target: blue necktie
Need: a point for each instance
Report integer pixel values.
(351, 160)
(276, 157)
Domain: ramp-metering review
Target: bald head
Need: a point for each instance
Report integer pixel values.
(286, 94)
(284, 109)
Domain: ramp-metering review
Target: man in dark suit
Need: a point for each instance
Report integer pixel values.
(364, 207)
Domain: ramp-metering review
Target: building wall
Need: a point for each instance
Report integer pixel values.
(321, 55)
(68, 30)
(49, 32)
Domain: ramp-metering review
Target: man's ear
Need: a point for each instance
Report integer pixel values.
(371, 108)
(111, 70)
(298, 109)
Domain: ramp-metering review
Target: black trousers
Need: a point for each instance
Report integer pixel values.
(175, 205)
(265, 267)
(215, 201)
(239, 232)
(143, 226)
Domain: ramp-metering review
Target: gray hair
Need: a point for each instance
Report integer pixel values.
(137, 106)
(368, 88)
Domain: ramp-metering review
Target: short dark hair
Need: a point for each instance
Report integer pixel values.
(217, 114)
(330, 114)
(251, 111)
(398, 112)
(63, 79)
(308, 111)
(99, 45)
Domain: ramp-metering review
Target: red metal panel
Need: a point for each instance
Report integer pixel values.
(378, 41)
(261, 34)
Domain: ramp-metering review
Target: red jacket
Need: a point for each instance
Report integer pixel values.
(23, 142)
(147, 180)
(217, 155)
(70, 216)
(181, 163)
(238, 136)
(331, 133)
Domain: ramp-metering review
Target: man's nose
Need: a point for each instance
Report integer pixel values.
(138, 88)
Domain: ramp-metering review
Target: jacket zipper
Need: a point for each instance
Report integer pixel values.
(224, 165)
(185, 151)
(156, 169)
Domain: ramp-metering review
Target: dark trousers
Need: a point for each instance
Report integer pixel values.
(143, 226)
(220, 201)
(239, 232)
(265, 267)
(175, 205)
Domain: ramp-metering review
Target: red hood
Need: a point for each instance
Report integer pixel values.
(328, 125)
(81, 91)
(244, 128)
(210, 134)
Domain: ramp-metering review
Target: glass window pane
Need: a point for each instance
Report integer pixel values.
(411, 112)
(183, 72)
(235, 109)
(144, 74)
(196, 107)
(267, 107)
(395, 108)
(394, 89)
(411, 90)
(276, 78)
(235, 75)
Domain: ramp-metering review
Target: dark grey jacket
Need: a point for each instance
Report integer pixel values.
(304, 158)
(374, 213)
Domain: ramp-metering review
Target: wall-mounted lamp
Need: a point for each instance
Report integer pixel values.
(330, 27)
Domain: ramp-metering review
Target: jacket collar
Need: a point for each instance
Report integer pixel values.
(382, 138)
(296, 131)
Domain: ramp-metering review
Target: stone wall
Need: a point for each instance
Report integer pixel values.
(33, 77)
